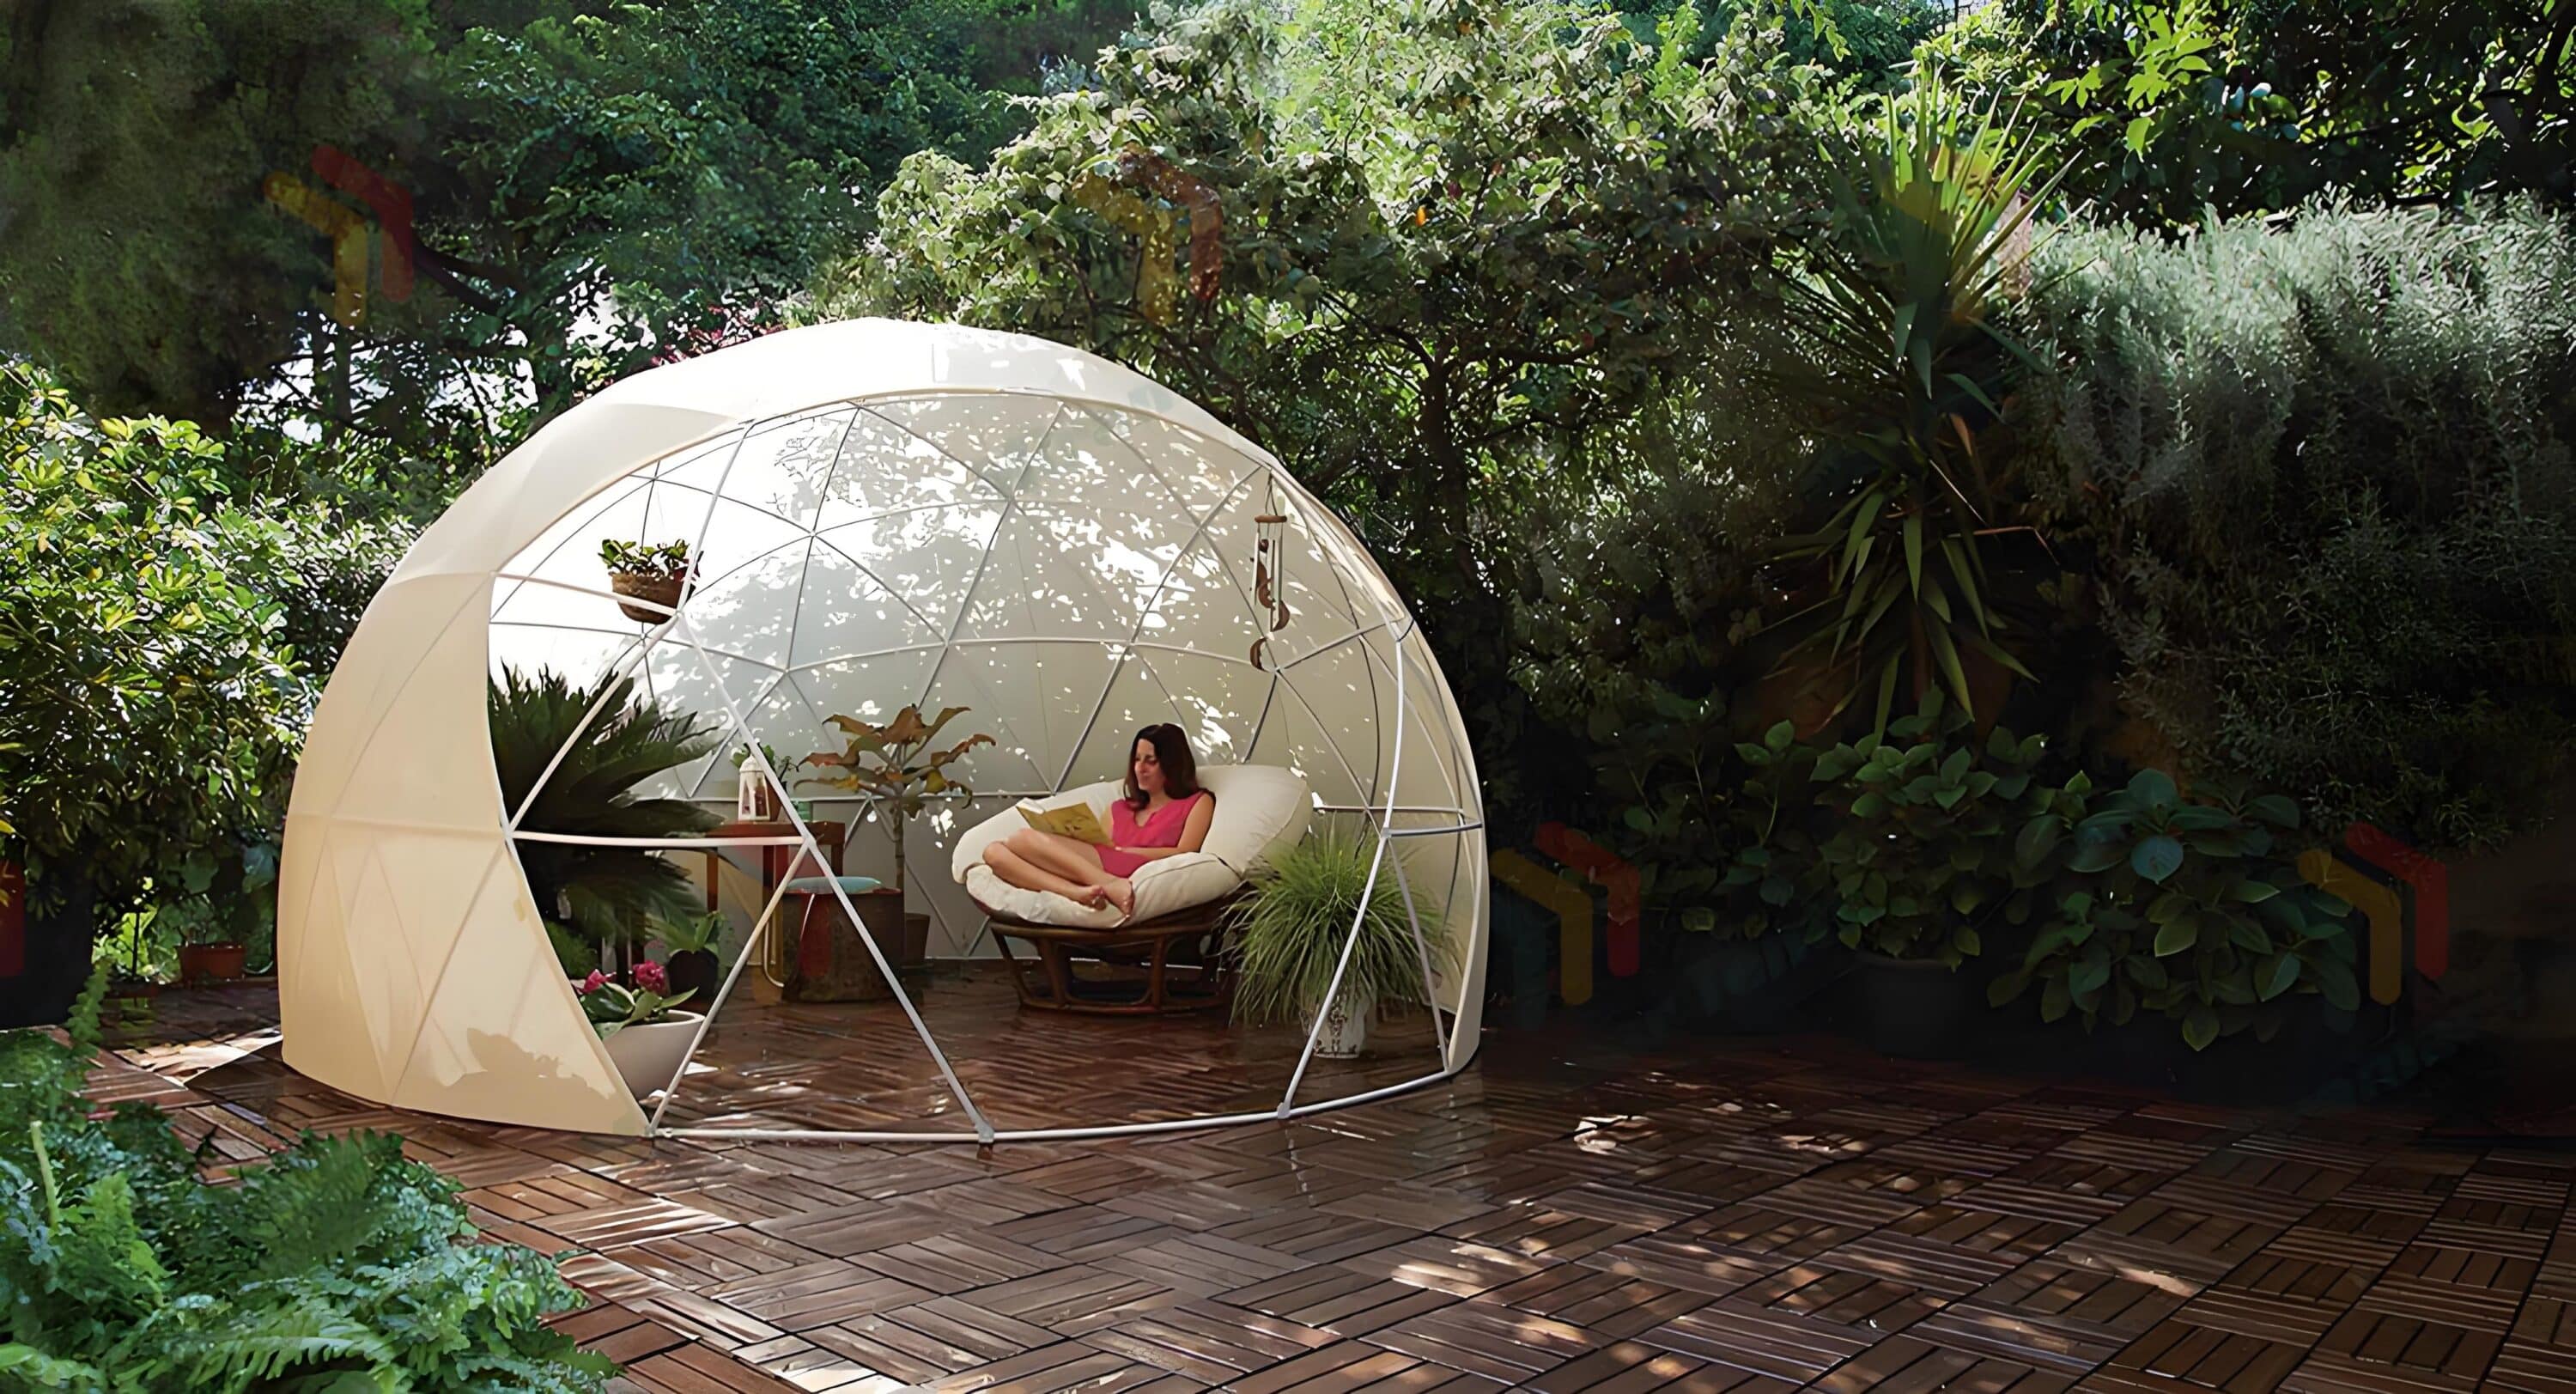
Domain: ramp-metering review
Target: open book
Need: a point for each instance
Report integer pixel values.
(1073, 820)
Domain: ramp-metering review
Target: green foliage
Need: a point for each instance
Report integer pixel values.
(605, 892)
(1866, 42)
(594, 185)
(1920, 856)
(2320, 479)
(1460, 243)
(335, 1264)
(611, 1007)
(2180, 906)
(153, 680)
(2172, 109)
(686, 934)
(659, 560)
(1287, 934)
(1892, 342)
(894, 766)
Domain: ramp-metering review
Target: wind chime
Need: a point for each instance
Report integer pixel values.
(1269, 563)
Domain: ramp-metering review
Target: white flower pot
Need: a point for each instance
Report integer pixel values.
(647, 1056)
(1345, 1030)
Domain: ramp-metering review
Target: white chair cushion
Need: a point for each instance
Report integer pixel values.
(1260, 809)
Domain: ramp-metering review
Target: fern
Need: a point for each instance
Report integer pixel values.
(337, 1265)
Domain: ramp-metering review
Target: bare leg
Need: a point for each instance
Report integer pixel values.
(1074, 860)
(1018, 871)
(1120, 892)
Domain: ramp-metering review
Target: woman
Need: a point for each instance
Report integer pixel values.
(1165, 814)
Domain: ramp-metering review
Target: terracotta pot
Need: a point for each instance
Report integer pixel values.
(220, 963)
(661, 590)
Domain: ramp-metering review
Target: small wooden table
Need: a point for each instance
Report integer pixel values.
(785, 862)
(782, 862)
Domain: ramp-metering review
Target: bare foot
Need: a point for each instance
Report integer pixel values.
(1093, 897)
(1121, 893)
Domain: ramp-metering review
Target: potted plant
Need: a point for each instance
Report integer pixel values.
(1919, 862)
(207, 955)
(689, 942)
(1287, 931)
(602, 893)
(646, 1033)
(657, 572)
(2183, 907)
(131, 990)
(895, 767)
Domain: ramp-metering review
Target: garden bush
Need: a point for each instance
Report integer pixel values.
(2319, 480)
(335, 1265)
(153, 687)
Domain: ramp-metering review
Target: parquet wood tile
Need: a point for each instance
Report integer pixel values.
(1208, 1341)
(1607, 1303)
(1070, 1301)
(1783, 1344)
(1632, 1367)
(1501, 1344)
(1454, 1266)
(1567, 1214)
(1338, 1300)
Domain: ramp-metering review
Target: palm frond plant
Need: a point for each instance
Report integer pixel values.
(1896, 352)
(1287, 932)
(602, 892)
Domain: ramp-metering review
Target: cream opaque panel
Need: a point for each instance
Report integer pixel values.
(930, 556)
(1206, 600)
(871, 689)
(321, 1013)
(1041, 695)
(1217, 700)
(1292, 737)
(569, 552)
(1425, 770)
(504, 1038)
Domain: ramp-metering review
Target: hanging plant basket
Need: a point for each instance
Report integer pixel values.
(661, 590)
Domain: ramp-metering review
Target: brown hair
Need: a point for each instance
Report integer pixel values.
(1180, 767)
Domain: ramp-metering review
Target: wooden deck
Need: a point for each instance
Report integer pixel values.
(1748, 1216)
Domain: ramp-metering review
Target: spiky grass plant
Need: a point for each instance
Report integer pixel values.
(1288, 932)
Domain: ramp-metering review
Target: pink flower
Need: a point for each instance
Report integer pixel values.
(594, 982)
(650, 977)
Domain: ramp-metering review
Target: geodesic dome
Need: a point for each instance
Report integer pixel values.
(881, 514)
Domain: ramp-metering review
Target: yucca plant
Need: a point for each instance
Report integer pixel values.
(1288, 930)
(604, 892)
(1895, 350)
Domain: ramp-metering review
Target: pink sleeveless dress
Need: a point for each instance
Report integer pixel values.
(1161, 828)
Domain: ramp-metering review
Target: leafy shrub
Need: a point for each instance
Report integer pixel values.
(1920, 854)
(2321, 482)
(336, 1264)
(160, 652)
(2178, 906)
